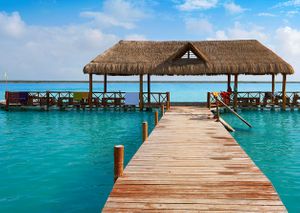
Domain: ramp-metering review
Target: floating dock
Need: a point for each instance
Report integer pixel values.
(190, 163)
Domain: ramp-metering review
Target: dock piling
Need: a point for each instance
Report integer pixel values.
(145, 131)
(118, 161)
(156, 117)
(168, 101)
(7, 101)
(162, 109)
(208, 100)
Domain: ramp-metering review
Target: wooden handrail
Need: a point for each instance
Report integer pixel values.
(232, 111)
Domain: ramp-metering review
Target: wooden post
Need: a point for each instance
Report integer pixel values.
(148, 89)
(208, 100)
(7, 101)
(228, 82)
(118, 161)
(90, 88)
(273, 87)
(162, 109)
(156, 117)
(235, 92)
(284, 91)
(48, 100)
(141, 93)
(217, 109)
(105, 83)
(168, 100)
(145, 131)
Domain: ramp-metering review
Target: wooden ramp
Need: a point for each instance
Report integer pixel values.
(190, 163)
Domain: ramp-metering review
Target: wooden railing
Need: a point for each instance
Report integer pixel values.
(66, 98)
(255, 99)
(156, 98)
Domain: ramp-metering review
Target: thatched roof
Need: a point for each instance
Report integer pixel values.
(248, 57)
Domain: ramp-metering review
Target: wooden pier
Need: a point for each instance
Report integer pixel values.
(190, 163)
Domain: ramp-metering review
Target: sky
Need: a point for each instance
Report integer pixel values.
(54, 39)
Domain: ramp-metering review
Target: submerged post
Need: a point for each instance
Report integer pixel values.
(168, 100)
(118, 161)
(141, 105)
(145, 131)
(273, 87)
(156, 117)
(105, 83)
(284, 91)
(235, 101)
(90, 89)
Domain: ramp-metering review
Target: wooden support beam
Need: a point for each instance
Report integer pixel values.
(90, 89)
(7, 100)
(149, 88)
(217, 110)
(273, 87)
(118, 161)
(208, 100)
(156, 117)
(284, 91)
(47, 100)
(235, 101)
(228, 83)
(141, 93)
(145, 131)
(105, 83)
(168, 101)
(162, 109)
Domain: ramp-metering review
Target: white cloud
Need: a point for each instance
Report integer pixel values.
(135, 37)
(188, 5)
(287, 44)
(289, 41)
(233, 8)
(266, 14)
(292, 13)
(37, 53)
(198, 26)
(11, 25)
(239, 31)
(116, 13)
(291, 3)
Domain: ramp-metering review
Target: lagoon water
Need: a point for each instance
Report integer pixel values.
(63, 161)
(274, 145)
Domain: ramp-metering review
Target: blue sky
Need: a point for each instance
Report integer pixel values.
(53, 39)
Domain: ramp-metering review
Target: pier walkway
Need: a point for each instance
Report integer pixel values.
(190, 163)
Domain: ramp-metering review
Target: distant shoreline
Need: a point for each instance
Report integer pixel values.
(155, 82)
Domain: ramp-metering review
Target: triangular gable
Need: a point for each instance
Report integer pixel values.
(189, 51)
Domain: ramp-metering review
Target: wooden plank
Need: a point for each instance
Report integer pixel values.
(191, 163)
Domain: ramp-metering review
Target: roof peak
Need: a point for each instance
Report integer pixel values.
(185, 41)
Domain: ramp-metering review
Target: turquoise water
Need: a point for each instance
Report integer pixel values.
(274, 145)
(63, 161)
(179, 91)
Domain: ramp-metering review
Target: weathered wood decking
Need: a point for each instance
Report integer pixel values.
(191, 163)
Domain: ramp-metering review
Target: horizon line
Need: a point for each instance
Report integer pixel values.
(130, 81)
